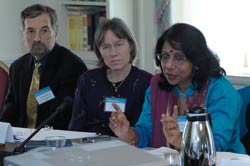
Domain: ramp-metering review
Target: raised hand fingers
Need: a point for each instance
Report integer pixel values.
(168, 122)
(118, 118)
(117, 108)
(112, 123)
(175, 113)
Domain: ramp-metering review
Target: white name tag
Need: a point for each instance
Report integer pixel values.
(6, 133)
(121, 102)
(181, 122)
(44, 95)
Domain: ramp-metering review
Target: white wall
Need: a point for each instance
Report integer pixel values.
(146, 34)
(122, 9)
(11, 41)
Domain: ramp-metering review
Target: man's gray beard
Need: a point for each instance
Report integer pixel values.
(39, 51)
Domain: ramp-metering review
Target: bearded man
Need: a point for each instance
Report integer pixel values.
(41, 79)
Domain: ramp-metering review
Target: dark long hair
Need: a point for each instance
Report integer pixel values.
(192, 43)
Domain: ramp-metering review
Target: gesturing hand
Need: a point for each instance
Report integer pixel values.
(170, 128)
(119, 124)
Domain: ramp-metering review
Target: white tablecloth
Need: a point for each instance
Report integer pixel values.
(222, 158)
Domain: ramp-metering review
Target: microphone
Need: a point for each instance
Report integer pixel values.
(66, 103)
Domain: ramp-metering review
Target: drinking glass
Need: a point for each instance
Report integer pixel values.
(172, 158)
(55, 141)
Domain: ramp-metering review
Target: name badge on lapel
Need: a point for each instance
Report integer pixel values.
(44, 95)
(121, 102)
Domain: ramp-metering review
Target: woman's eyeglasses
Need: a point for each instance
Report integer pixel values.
(177, 58)
(118, 45)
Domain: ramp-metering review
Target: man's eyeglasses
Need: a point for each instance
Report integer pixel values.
(118, 45)
(177, 58)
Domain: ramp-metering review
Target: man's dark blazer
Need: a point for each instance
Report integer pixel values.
(61, 71)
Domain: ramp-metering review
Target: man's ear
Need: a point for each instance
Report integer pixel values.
(56, 32)
(23, 34)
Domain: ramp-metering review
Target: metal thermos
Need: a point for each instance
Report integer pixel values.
(197, 148)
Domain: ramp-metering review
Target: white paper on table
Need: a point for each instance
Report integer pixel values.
(234, 162)
(23, 133)
(6, 133)
(232, 159)
(159, 152)
(222, 158)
